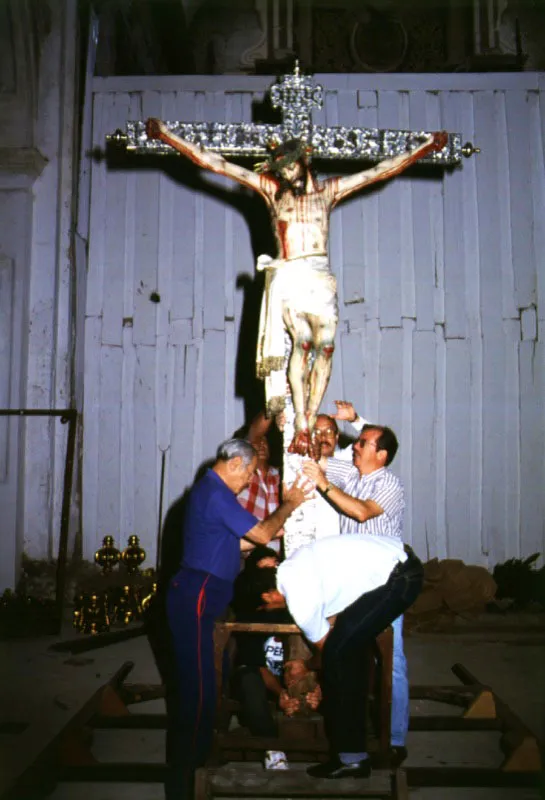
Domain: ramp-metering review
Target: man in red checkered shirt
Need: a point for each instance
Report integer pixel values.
(262, 496)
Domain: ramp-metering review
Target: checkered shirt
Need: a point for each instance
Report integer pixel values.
(262, 496)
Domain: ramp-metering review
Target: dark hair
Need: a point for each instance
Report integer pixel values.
(260, 551)
(386, 441)
(249, 587)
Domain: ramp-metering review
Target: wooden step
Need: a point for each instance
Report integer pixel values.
(252, 780)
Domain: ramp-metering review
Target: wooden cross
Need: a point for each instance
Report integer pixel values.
(295, 95)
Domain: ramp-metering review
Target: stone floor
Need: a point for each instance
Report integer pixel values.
(41, 690)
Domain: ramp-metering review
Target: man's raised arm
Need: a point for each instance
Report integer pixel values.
(156, 129)
(388, 168)
(264, 531)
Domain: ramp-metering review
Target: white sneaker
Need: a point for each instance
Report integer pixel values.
(275, 759)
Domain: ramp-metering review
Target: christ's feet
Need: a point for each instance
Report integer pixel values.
(300, 443)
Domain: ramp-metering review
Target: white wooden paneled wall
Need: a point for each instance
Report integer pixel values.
(439, 285)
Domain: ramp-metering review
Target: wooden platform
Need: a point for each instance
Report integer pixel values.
(251, 780)
(69, 757)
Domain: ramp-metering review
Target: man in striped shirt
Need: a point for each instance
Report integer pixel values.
(370, 499)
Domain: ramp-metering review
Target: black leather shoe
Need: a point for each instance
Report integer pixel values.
(334, 768)
(398, 754)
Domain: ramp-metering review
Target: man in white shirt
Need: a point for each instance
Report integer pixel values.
(360, 583)
(369, 498)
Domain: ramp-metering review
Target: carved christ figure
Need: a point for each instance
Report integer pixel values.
(301, 291)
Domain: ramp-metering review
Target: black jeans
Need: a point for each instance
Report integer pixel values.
(250, 690)
(345, 654)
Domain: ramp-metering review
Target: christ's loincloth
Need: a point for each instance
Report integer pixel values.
(305, 286)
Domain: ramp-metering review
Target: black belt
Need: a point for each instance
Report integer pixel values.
(411, 562)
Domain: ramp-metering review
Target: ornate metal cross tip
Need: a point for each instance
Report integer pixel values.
(295, 95)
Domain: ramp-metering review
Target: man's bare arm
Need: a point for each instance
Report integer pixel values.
(359, 510)
(388, 168)
(156, 129)
(264, 531)
(259, 426)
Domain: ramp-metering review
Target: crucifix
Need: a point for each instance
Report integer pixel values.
(299, 310)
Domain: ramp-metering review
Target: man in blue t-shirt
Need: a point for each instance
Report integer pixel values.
(216, 529)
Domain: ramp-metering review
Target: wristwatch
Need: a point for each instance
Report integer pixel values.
(328, 488)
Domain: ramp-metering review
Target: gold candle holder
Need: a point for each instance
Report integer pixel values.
(133, 555)
(107, 556)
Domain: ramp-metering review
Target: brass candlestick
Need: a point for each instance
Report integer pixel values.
(107, 556)
(133, 555)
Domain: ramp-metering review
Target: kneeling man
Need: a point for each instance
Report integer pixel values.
(342, 592)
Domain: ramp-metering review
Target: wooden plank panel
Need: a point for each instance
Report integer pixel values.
(405, 432)
(537, 139)
(200, 233)
(238, 256)
(391, 210)
(488, 109)
(128, 487)
(91, 433)
(97, 223)
(184, 175)
(440, 548)
(503, 220)
(422, 453)
(109, 434)
(470, 244)
(216, 198)
(116, 234)
(423, 113)
(353, 379)
(251, 236)
(457, 451)
(146, 250)
(406, 222)
(130, 225)
(350, 273)
(454, 277)
(532, 438)
(336, 388)
(391, 380)
(181, 461)
(6, 356)
(336, 225)
(520, 170)
(371, 370)
(165, 280)
(368, 117)
(500, 549)
(213, 392)
(146, 477)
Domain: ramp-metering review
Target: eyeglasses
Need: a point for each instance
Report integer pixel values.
(325, 431)
(362, 442)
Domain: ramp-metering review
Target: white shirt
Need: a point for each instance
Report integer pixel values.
(323, 578)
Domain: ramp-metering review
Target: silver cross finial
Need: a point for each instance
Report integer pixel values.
(296, 95)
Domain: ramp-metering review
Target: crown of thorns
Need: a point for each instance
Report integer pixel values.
(277, 158)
